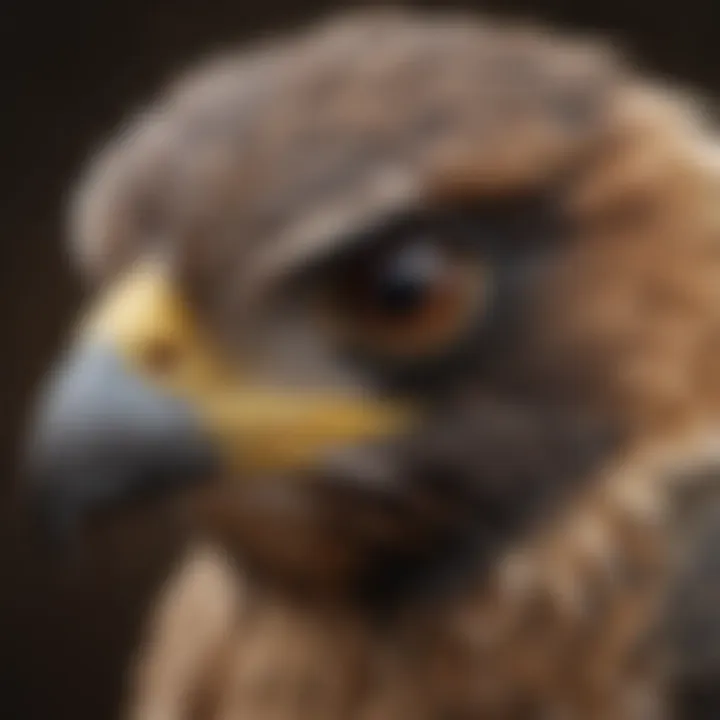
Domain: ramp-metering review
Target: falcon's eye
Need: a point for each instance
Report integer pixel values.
(407, 299)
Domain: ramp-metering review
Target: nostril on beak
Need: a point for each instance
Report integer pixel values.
(161, 356)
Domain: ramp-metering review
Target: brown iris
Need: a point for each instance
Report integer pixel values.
(409, 299)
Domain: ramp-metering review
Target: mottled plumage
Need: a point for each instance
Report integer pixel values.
(510, 557)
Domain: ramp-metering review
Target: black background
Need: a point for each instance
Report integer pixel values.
(68, 622)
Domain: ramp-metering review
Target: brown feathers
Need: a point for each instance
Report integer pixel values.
(260, 165)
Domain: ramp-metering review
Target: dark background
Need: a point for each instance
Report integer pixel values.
(68, 622)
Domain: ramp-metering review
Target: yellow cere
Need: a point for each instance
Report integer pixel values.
(257, 428)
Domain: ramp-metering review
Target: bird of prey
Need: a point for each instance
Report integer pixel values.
(423, 313)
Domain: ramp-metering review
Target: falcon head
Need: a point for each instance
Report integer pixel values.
(389, 293)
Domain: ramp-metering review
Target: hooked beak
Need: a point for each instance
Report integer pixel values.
(143, 402)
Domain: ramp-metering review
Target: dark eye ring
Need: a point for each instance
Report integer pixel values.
(409, 299)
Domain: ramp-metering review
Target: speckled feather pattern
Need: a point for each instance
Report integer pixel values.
(294, 141)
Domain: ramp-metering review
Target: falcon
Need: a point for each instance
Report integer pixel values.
(421, 313)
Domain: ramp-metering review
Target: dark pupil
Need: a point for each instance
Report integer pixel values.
(404, 280)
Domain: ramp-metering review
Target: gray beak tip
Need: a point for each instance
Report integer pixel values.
(103, 436)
